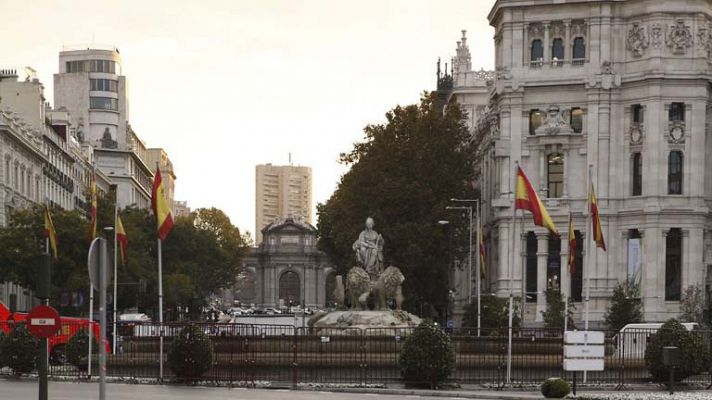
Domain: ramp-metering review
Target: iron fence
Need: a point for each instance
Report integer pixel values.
(287, 356)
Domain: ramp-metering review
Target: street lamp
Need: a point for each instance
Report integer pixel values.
(469, 256)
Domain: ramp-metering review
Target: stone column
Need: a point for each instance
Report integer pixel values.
(505, 257)
(547, 44)
(567, 41)
(542, 253)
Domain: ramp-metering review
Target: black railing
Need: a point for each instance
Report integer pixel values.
(288, 356)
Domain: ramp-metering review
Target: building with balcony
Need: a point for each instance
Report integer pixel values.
(622, 86)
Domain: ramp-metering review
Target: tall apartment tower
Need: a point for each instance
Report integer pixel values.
(281, 191)
(91, 87)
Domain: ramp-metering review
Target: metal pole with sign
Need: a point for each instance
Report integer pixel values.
(98, 262)
(43, 291)
(583, 351)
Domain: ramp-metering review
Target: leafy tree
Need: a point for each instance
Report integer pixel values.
(624, 306)
(191, 354)
(692, 305)
(403, 175)
(554, 314)
(427, 356)
(494, 314)
(694, 354)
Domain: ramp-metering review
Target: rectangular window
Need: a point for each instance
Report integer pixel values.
(637, 174)
(577, 275)
(676, 112)
(576, 120)
(531, 266)
(555, 175)
(635, 255)
(536, 119)
(673, 264)
(104, 85)
(553, 264)
(637, 111)
(103, 103)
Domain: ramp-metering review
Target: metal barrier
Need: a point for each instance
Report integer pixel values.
(287, 356)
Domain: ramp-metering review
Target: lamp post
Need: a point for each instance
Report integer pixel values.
(469, 257)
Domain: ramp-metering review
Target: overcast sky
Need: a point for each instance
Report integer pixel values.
(226, 85)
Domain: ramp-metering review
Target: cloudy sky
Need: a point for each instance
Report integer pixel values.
(226, 85)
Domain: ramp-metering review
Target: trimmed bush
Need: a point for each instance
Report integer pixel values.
(77, 350)
(427, 356)
(694, 355)
(191, 354)
(19, 350)
(555, 388)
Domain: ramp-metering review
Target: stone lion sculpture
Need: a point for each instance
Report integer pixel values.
(358, 287)
(389, 287)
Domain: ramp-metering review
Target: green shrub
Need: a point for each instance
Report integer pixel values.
(19, 350)
(494, 314)
(624, 306)
(555, 388)
(191, 354)
(694, 355)
(555, 306)
(427, 356)
(77, 350)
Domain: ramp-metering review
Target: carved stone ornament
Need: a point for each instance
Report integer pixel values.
(702, 39)
(679, 37)
(578, 28)
(636, 134)
(676, 134)
(554, 122)
(536, 30)
(656, 36)
(637, 40)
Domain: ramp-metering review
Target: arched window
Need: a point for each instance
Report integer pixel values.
(636, 174)
(555, 175)
(537, 51)
(675, 172)
(289, 288)
(579, 52)
(557, 50)
(576, 120)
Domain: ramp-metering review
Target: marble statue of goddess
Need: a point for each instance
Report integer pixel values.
(369, 250)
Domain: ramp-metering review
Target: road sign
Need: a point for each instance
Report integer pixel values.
(583, 337)
(94, 263)
(450, 324)
(579, 351)
(43, 321)
(594, 364)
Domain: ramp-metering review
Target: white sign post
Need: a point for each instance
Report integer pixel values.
(583, 351)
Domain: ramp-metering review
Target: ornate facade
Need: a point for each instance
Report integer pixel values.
(623, 86)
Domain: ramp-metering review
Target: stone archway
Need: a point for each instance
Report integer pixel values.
(290, 288)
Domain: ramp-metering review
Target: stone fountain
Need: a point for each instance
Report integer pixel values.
(368, 283)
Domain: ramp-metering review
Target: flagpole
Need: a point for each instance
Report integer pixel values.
(478, 265)
(568, 280)
(511, 273)
(116, 276)
(90, 331)
(160, 306)
(588, 248)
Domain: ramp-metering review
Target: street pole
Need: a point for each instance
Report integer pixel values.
(511, 272)
(103, 269)
(116, 279)
(43, 294)
(90, 329)
(160, 309)
(479, 268)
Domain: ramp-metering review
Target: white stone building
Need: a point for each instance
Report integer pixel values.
(623, 86)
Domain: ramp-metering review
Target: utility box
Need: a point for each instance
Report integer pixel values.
(671, 356)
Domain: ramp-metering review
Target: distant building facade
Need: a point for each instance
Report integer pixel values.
(285, 269)
(281, 191)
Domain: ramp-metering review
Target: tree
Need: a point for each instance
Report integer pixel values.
(403, 175)
(694, 354)
(427, 356)
(494, 314)
(692, 305)
(19, 350)
(624, 306)
(191, 354)
(554, 314)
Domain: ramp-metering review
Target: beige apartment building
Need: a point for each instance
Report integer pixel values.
(281, 191)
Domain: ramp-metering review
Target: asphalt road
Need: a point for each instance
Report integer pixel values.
(25, 389)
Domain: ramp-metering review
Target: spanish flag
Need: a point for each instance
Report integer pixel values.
(160, 206)
(92, 224)
(527, 199)
(572, 245)
(596, 221)
(50, 233)
(121, 239)
(482, 251)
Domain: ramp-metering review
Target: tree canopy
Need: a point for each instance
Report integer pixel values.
(200, 256)
(403, 174)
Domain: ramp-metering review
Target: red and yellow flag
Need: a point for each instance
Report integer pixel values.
(121, 239)
(92, 223)
(596, 221)
(50, 233)
(160, 206)
(526, 198)
(482, 251)
(572, 245)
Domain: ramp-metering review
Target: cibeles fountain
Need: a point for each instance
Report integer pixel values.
(368, 284)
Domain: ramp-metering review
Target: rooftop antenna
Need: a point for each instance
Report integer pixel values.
(290, 158)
